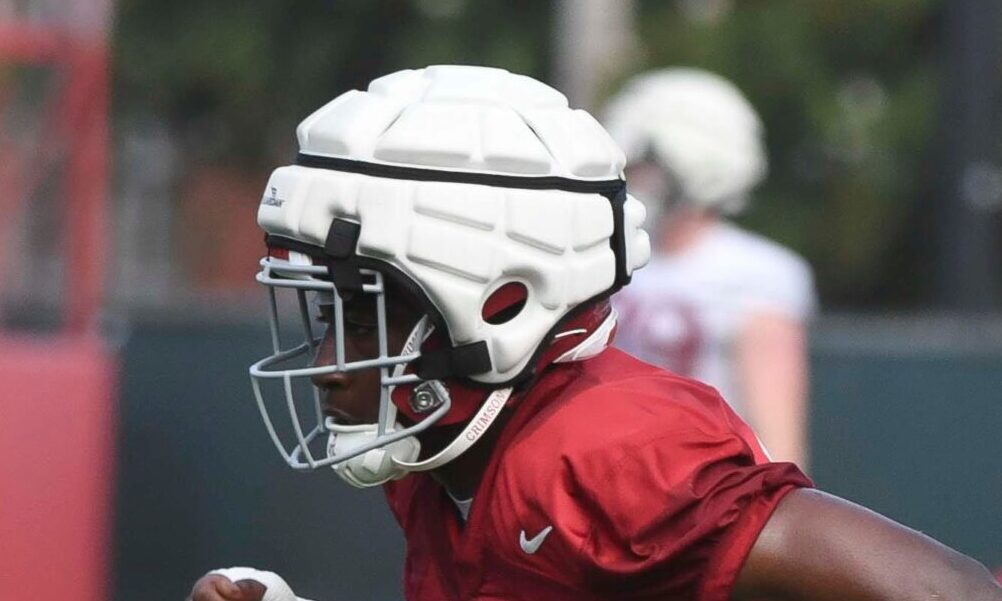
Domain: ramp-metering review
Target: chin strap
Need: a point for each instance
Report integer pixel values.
(591, 346)
(379, 466)
(473, 431)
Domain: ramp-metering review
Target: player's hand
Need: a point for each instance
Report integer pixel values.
(216, 587)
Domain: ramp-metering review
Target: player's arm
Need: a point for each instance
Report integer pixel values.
(773, 374)
(817, 547)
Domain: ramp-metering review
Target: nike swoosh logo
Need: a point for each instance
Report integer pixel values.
(531, 545)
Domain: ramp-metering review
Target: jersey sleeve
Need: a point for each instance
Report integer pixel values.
(676, 511)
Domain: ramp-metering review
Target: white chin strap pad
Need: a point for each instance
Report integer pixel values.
(276, 588)
(374, 467)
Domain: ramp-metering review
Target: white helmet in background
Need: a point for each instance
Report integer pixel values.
(699, 128)
(479, 192)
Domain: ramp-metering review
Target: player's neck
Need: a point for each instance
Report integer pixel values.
(462, 475)
(682, 229)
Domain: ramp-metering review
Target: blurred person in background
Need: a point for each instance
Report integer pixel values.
(717, 303)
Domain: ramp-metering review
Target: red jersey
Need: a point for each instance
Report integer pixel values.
(614, 479)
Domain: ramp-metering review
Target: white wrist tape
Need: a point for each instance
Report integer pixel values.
(276, 588)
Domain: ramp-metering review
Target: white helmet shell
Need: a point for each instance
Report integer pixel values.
(464, 179)
(699, 127)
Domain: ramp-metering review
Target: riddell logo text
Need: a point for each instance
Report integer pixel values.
(485, 418)
(273, 200)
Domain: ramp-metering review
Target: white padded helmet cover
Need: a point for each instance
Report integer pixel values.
(700, 126)
(461, 241)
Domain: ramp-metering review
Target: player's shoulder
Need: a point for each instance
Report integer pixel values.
(611, 459)
(618, 404)
(758, 252)
(764, 274)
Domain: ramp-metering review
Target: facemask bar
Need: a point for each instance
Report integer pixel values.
(303, 279)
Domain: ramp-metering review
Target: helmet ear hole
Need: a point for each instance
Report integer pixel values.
(505, 303)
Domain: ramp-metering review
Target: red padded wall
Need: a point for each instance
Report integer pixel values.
(57, 408)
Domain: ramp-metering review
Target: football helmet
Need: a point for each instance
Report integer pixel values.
(482, 195)
(699, 129)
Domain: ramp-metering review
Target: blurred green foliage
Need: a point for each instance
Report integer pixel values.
(849, 92)
(234, 78)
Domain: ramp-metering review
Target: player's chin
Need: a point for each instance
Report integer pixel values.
(338, 416)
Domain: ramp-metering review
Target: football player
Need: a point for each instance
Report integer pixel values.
(457, 232)
(717, 303)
